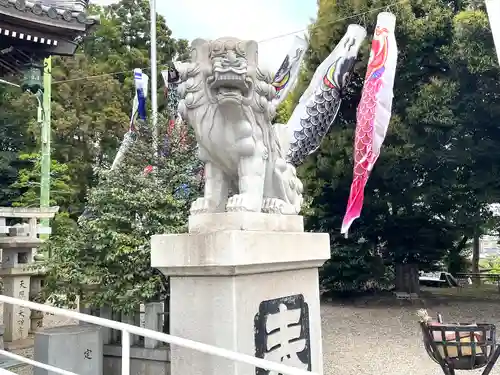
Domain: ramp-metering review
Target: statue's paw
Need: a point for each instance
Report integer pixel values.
(272, 205)
(242, 203)
(202, 206)
(278, 206)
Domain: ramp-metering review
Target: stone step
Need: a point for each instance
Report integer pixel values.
(6, 372)
(6, 363)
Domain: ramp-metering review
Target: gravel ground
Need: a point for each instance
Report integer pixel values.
(370, 339)
(377, 340)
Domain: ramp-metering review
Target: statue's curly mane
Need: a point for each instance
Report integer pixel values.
(196, 104)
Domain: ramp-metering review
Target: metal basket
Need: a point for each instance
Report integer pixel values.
(459, 346)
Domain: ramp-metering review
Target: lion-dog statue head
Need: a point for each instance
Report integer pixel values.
(224, 73)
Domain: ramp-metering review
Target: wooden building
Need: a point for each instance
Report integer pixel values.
(31, 30)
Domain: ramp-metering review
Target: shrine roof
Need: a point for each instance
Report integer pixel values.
(47, 15)
(31, 30)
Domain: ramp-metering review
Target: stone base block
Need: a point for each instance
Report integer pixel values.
(75, 348)
(143, 361)
(251, 291)
(247, 221)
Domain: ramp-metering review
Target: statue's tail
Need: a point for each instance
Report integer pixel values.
(282, 136)
(312, 118)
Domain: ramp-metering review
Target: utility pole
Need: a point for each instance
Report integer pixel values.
(46, 130)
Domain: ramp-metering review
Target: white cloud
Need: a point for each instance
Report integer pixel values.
(258, 20)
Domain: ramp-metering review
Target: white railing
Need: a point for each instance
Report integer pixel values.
(128, 330)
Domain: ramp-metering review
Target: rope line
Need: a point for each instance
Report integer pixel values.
(314, 26)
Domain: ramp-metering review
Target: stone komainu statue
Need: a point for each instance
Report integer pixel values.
(227, 100)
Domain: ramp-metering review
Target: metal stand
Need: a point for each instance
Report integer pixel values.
(492, 361)
(462, 346)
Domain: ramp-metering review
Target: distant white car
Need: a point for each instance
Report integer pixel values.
(439, 279)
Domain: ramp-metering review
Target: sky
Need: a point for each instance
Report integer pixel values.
(264, 19)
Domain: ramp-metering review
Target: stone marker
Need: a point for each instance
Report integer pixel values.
(2, 331)
(76, 348)
(21, 277)
(153, 319)
(16, 272)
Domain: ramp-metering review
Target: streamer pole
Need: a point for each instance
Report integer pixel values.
(45, 136)
(154, 78)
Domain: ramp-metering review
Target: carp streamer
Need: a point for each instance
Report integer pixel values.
(138, 113)
(374, 112)
(288, 73)
(318, 106)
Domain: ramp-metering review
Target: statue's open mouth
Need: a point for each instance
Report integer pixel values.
(230, 84)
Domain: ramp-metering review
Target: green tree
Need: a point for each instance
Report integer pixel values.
(124, 35)
(106, 259)
(492, 264)
(28, 183)
(92, 95)
(422, 194)
(14, 139)
(474, 68)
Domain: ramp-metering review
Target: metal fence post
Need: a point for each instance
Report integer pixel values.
(125, 352)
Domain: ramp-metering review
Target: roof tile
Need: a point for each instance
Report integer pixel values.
(52, 11)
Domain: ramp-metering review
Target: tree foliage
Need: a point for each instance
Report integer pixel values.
(92, 94)
(106, 258)
(437, 172)
(426, 199)
(28, 183)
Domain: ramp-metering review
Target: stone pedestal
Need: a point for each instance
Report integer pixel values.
(247, 282)
(75, 348)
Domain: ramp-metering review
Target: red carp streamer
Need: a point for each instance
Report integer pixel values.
(374, 112)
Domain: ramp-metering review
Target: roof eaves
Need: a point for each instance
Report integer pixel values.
(54, 13)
